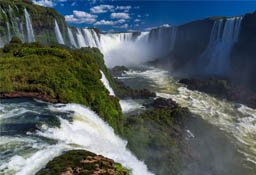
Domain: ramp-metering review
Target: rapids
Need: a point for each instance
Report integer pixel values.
(237, 121)
(34, 132)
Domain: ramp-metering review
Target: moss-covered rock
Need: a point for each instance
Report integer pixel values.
(58, 75)
(81, 162)
(155, 136)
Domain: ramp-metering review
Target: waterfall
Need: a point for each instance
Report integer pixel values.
(30, 32)
(80, 38)
(71, 38)
(8, 31)
(80, 128)
(89, 38)
(58, 33)
(105, 82)
(90, 132)
(223, 36)
(173, 38)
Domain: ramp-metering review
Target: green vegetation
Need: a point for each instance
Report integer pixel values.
(69, 76)
(42, 21)
(155, 136)
(82, 162)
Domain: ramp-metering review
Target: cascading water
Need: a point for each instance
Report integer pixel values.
(29, 27)
(58, 34)
(80, 38)
(71, 38)
(105, 82)
(34, 132)
(223, 36)
(235, 119)
(90, 38)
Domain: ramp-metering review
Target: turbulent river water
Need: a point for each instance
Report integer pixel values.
(223, 134)
(33, 132)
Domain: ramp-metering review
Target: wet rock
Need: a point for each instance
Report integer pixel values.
(78, 162)
(117, 71)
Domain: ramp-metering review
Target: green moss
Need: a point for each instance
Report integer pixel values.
(80, 160)
(70, 76)
(154, 136)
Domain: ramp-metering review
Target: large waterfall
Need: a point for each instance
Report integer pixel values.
(30, 31)
(58, 33)
(34, 139)
(223, 36)
(71, 38)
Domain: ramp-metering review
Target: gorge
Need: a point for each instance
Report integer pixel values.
(171, 110)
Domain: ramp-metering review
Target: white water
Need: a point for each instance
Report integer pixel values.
(130, 105)
(58, 34)
(90, 38)
(223, 36)
(90, 132)
(29, 27)
(80, 38)
(81, 129)
(71, 38)
(237, 120)
(105, 82)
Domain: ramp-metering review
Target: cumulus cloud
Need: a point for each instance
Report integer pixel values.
(104, 22)
(108, 22)
(102, 8)
(81, 17)
(137, 20)
(120, 15)
(124, 8)
(45, 3)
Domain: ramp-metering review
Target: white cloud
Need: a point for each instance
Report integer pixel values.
(128, 7)
(104, 22)
(45, 3)
(81, 17)
(102, 8)
(120, 21)
(124, 8)
(82, 14)
(120, 15)
(108, 22)
(137, 20)
(48, 3)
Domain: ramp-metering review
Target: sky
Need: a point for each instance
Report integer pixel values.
(131, 15)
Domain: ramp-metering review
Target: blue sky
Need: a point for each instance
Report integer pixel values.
(120, 15)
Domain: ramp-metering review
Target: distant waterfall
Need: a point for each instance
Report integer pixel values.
(58, 34)
(173, 38)
(71, 38)
(223, 36)
(105, 82)
(30, 32)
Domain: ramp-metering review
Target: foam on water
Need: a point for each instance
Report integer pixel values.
(91, 133)
(32, 164)
(129, 105)
(80, 128)
(238, 120)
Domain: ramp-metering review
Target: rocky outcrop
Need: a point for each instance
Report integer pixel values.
(79, 162)
(118, 71)
(156, 135)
